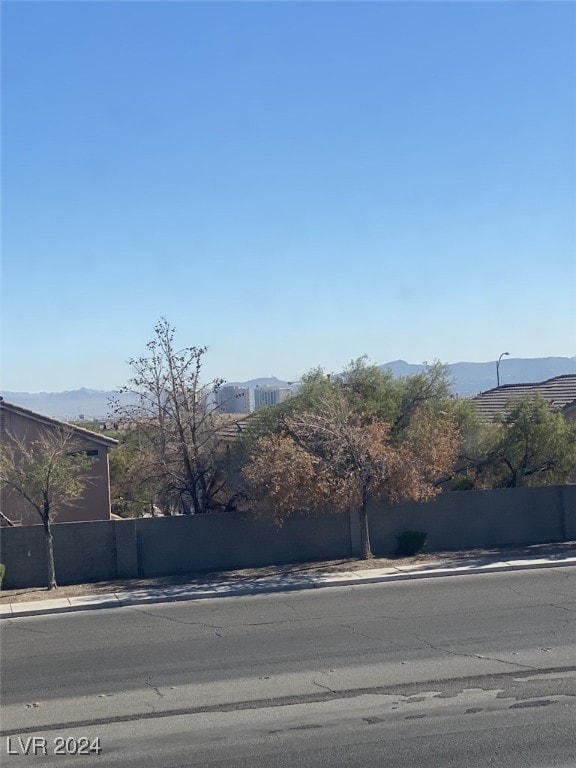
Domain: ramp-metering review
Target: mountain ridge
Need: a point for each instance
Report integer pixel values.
(469, 378)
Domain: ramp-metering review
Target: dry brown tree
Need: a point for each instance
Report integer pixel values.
(334, 458)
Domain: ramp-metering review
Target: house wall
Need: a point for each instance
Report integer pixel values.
(162, 546)
(94, 504)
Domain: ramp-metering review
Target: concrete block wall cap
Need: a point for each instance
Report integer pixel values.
(197, 594)
(342, 576)
(381, 572)
(47, 611)
(516, 566)
(61, 603)
(542, 563)
(297, 581)
(174, 593)
(341, 583)
(129, 598)
(101, 601)
(467, 570)
(267, 589)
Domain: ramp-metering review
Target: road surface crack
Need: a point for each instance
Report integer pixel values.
(154, 688)
(166, 618)
(10, 623)
(472, 655)
(215, 627)
(325, 687)
(279, 622)
(289, 605)
(563, 607)
(519, 592)
(362, 634)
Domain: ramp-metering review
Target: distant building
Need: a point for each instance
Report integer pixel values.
(267, 396)
(230, 399)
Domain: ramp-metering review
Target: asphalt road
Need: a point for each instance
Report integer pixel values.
(459, 671)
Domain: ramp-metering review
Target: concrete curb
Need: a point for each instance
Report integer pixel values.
(266, 585)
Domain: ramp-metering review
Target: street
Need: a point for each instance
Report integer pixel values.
(457, 671)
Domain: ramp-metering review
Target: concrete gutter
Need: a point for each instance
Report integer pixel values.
(272, 584)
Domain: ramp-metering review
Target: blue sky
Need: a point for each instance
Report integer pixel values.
(291, 183)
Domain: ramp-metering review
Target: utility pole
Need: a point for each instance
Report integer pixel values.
(504, 354)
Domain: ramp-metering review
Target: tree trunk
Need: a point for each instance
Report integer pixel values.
(364, 530)
(50, 554)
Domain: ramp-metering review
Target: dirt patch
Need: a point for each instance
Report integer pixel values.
(201, 577)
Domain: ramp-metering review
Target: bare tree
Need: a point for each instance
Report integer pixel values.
(49, 472)
(178, 426)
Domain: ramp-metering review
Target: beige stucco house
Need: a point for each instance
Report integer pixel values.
(19, 424)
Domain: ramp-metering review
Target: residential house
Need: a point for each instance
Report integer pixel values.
(20, 425)
(559, 391)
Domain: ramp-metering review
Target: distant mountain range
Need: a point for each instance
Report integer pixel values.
(471, 378)
(74, 405)
(468, 379)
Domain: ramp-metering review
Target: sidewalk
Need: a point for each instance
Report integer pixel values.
(554, 557)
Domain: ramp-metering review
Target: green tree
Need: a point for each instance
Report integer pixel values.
(429, 389)
(530, 444)
(49, 472)
(395, 400)
(369, 390)
(133, 486)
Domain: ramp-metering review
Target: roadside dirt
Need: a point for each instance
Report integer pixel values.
(201, 577)
(455, 558)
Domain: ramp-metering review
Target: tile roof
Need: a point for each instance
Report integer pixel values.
(560, 391)
(232, 425)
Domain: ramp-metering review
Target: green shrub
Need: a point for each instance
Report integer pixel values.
(462, 483)
(2, 572)
(410, 542)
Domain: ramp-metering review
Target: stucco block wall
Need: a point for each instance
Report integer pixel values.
(82, 552)
(567, 500)
(204, 542)
(22, 551)
(477, 519)
(101, 550)
(126, 549)
(85, 551)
